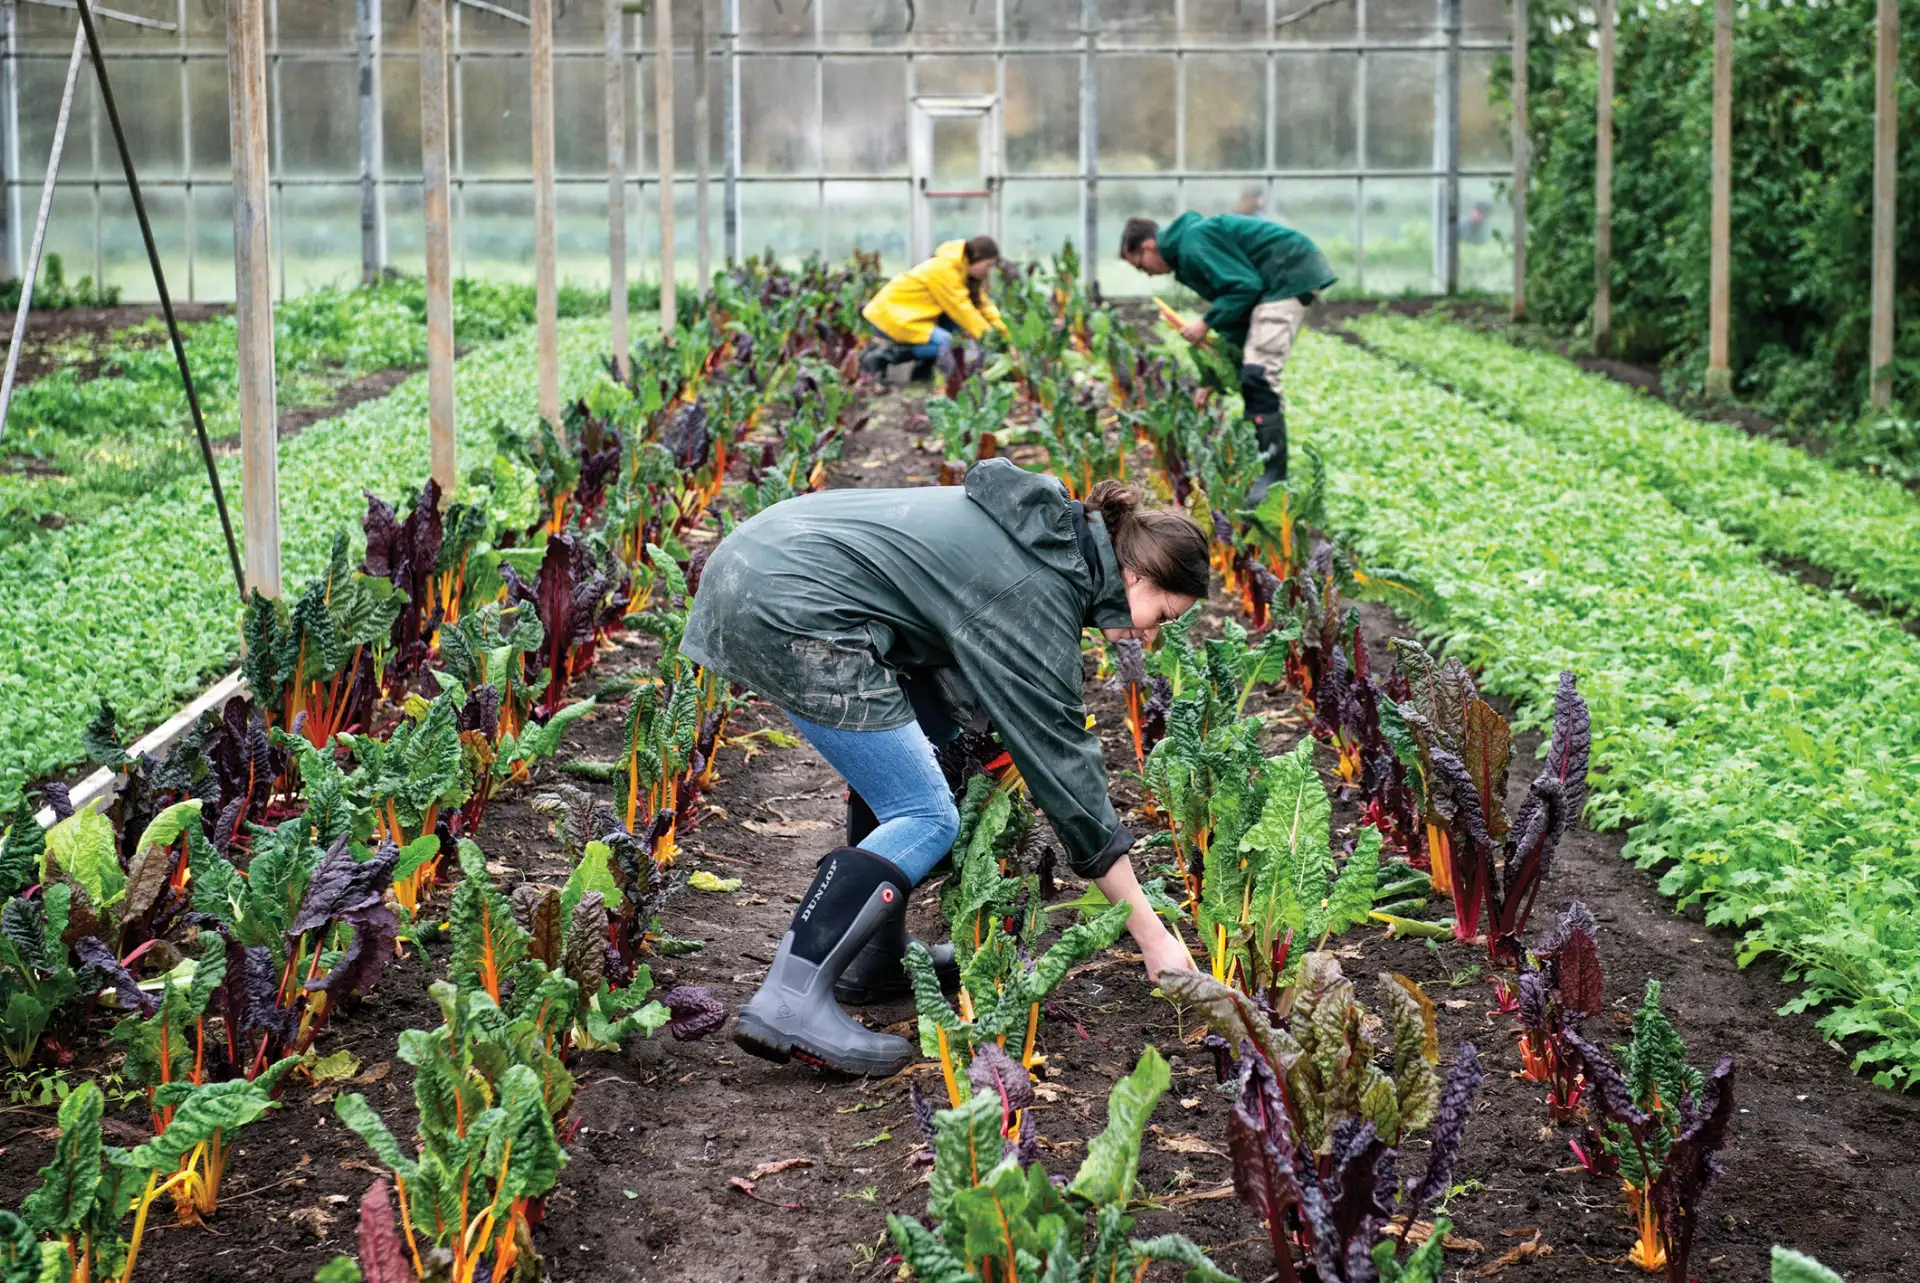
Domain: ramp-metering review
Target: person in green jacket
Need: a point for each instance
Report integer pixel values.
(1260, 278)
(885, 621)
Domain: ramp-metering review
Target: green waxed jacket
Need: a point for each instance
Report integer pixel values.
(1238, 263)
(822, 602)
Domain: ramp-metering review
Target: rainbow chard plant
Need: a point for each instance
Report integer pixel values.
(1665, 1125)
(999, 1219)
(1567, 987)
(487, 1093)
(316, 669)
(570, 595)
(1506, 875)
(406, 553)
(89, 1187)
(1345, 1195)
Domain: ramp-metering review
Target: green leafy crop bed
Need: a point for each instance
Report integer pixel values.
(1863, 530)
(137, 607)
(1759, 735)
(76, 446)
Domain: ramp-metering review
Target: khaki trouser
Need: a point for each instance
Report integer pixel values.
(1270, 331)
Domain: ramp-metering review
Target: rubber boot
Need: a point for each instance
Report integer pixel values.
(923, 371)
(1269, 419)
(879, 973)
(794, 1015)
(875, 360)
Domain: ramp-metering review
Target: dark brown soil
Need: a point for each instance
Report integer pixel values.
(49, 332)
(1819, 1160)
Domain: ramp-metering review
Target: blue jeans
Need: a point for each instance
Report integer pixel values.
(895, 773)
(935, 347)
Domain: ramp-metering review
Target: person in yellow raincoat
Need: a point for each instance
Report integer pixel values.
(916, 314)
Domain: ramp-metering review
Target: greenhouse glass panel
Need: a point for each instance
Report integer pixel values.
(498, 131)
(870, 217)
(41, 82)
(1226, 20)
(493, 232)
(148, 93)
(1486, 235)
(399, 114)
(1398, 223)
(1400, 99)
(765, 25)
(1042, 115)
(124, 252)
(953, 24)
(1486, 20)
(866, 116)
(780, 219)
(579, 117)
(1038, 217)
(864, 24)
(291, 24)
(580, 234)
(1137, 22)
(779, 116)
(317, 231)
(212, 272)
(1323, 208)
(943, 74)
(1340, 22)
(211, 135)
(317, 139)
(1054, 22)
(406, 228)
(479, 29)
(1314, 117)
(1226, 111)
(1485, 141)
(207, 24)
(399, 25)
(1136, 113)
(1403, 19)
(1246, 196)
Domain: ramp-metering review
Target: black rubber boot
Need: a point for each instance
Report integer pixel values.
(923, 371)
(875, 360)
(794, 1014)
(878, 974)
(1269, 419)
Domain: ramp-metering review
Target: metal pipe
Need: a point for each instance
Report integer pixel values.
(1720, 217)
(614, 90)
(373, 217)
(10, 125)
(40, 225)
(730, 134)
(1886, 161)
(166, 301)
(1089, 140)
(1519, 146)
(703, 146)
(1449, 126)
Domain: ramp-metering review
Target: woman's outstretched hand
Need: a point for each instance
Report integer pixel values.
(1165, 951)
(1160, 943)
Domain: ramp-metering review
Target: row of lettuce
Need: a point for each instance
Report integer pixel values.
(262, 876)
(1862, 530)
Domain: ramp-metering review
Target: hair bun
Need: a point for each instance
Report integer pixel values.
(1115, 501)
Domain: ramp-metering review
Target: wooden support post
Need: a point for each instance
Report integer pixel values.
(1603, 188)
(663, 133)
(1720, 223)
(616, 95)
(702, 146)
(253, 293)
(1886, 135)
(546, 286)
(434, 166)
(1521, 42)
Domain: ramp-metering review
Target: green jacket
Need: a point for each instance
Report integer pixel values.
(821, 602)
(1238, 263)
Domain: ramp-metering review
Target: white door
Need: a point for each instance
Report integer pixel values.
(956, 169)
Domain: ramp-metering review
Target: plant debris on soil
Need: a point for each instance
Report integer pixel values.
(699, 1162)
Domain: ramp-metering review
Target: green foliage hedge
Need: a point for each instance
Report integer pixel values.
(1759, 735)
(138, 606)
(1802, 198)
